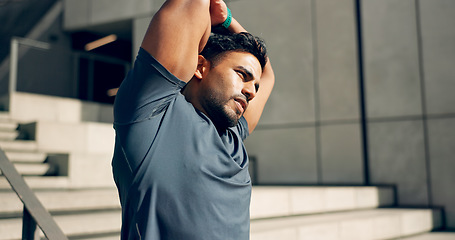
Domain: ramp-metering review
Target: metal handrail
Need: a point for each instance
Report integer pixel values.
(34, 212)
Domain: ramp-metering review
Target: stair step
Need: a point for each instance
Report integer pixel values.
(31, 157)
(280, 201)
(433, 236)
(31, 169)
(19, 145)
(366, 224)
(9, 135)
(4, 116)
(8, 126)
(39, 182)
(111, 237)
(64, 200)
(86, 224)
(360, 224)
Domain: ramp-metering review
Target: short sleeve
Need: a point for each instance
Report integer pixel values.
(242, 128)
(146, 90)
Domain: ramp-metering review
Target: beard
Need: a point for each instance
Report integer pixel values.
(219, 112)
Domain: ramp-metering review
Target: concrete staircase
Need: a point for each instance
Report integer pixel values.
(89, 208)
(82, 212)
(295, 213)
(23, 154)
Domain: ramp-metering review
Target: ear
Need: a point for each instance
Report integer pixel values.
(202, 67)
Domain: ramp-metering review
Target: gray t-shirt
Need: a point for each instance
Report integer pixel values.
(178, 177)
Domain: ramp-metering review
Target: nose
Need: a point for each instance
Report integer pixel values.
(249, 90)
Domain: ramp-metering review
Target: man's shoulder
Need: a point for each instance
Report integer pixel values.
(145, 91)
(151, 66)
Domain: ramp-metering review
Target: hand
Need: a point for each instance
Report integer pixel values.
(218, 12)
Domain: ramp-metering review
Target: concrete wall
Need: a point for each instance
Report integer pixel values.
(81, 14)
(27, 107)
(394, 100)
(409, 58)
(409, 74)
(310, 130)
(438, 60)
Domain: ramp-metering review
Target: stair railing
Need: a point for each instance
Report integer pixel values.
(34, 212)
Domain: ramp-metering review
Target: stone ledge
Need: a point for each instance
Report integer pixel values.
(29, 107)
(267, 202)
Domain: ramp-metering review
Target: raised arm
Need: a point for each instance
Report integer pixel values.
(256, 106)
(176, 35)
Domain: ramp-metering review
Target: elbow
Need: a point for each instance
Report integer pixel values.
(252, 126)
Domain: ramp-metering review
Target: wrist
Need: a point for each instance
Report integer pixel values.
(228, 20)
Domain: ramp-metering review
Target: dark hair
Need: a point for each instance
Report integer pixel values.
(237, 42)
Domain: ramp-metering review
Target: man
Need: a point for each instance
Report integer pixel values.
(180, 118)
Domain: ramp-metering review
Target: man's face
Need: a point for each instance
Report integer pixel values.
(229, 85)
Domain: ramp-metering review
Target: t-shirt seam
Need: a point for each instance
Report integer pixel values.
(161, 69)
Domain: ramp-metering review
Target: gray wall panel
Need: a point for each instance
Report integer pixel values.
(76, 13)
(441, 133)
(438, 43)
(341, 154)
(115, 10)
(397, 156)
(337, 60)
(80, 14)
(286, 27)
(391, 58)
(284, 155)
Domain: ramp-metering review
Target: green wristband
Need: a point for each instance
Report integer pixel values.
(228, 20)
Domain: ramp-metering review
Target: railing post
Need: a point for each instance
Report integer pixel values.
(13, 65)
(29, 228)
(34, 211)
